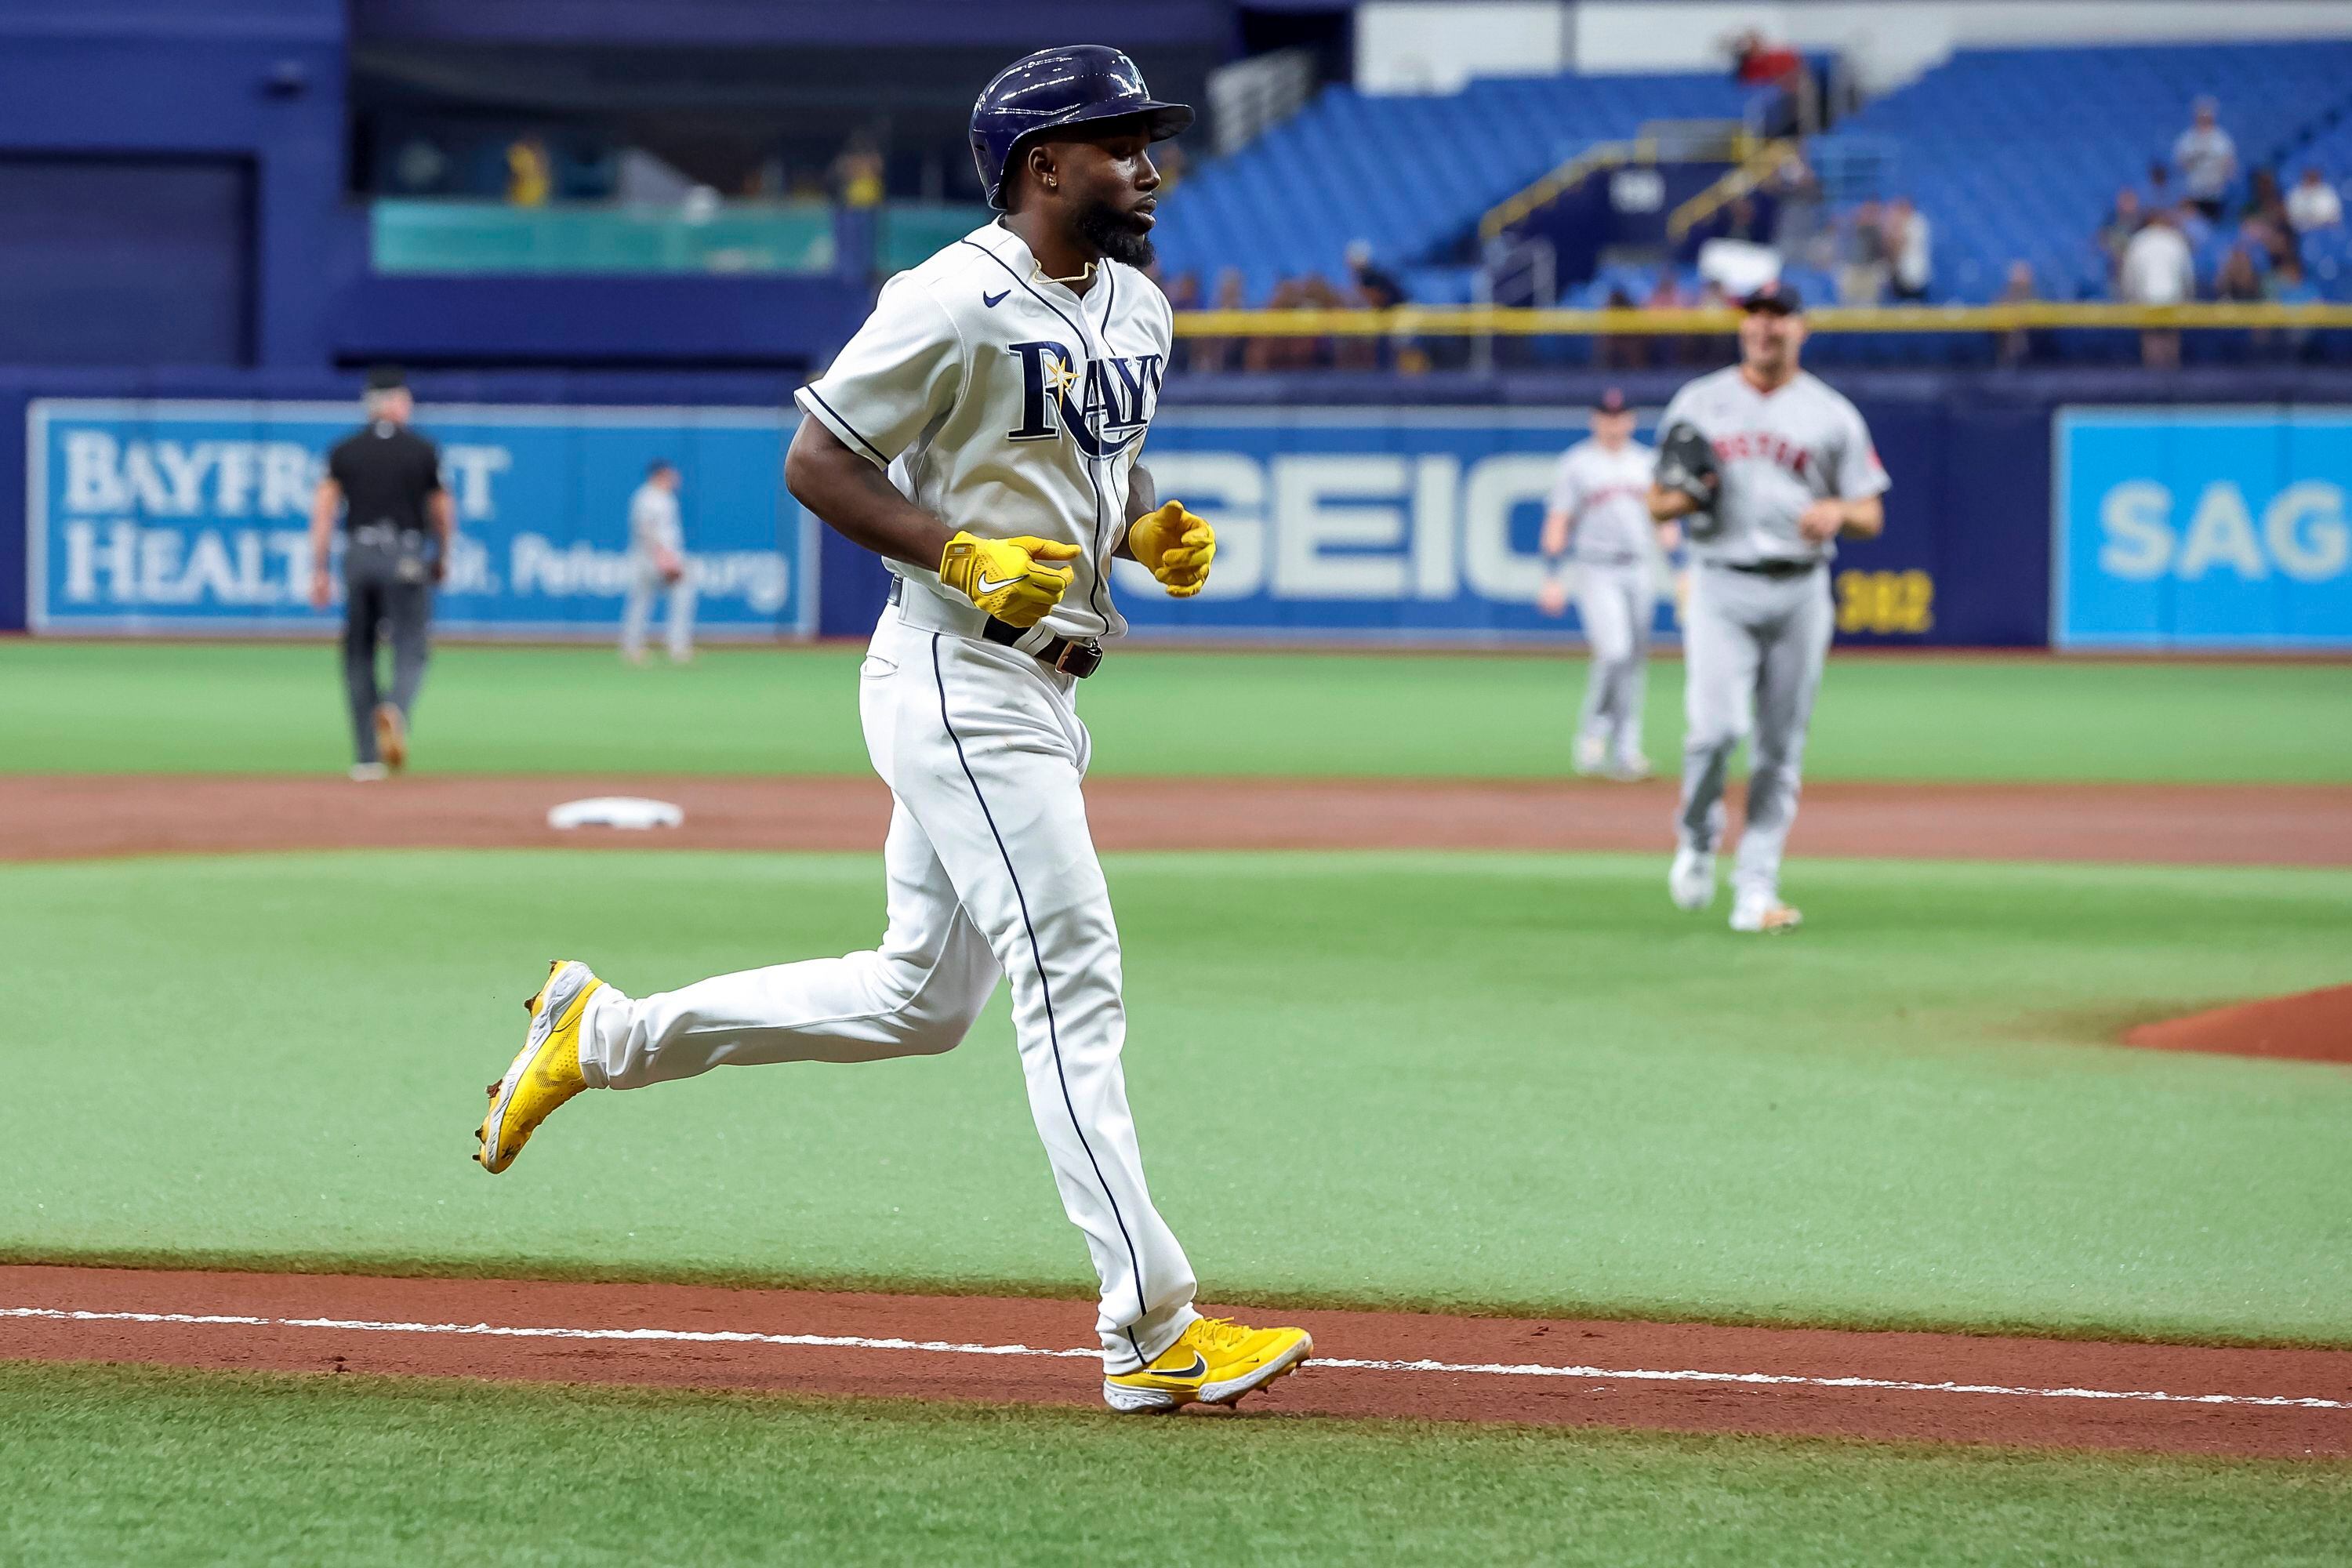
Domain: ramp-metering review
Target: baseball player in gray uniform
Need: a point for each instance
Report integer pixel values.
(1767, 466)
(657, 567)
(981, 433)
(1600, 510)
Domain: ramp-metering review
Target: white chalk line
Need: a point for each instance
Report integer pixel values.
(950, 1347)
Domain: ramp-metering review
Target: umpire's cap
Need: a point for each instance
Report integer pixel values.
(1075, 85)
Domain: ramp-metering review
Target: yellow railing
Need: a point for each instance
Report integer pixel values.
(1751, 171)
(1498, 321)
(1644, 148)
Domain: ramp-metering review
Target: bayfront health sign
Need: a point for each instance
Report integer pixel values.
(2202, 528)
(185, 517)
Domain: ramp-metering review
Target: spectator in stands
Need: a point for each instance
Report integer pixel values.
(2016, 346)
(2264, 203)
(857, 172)
(1215, 355)
(2208, 160)
(2286, 285)
(1629, 350)
(1862, 276)
(1756, 63)
(2237, 280)
(1184, 292)
(2116, 234)
(1798, 232)
(1693, 349)
(2159, 269)
(1376, 288)
(2160, 187)
(2314, 204)
(529, 175)
(1910, 249)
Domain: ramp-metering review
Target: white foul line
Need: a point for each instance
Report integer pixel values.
(950, 1347)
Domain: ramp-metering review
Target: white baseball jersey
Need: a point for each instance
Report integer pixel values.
(1780, 452)
(1607, 497)
(653, 521)
(1003, 404)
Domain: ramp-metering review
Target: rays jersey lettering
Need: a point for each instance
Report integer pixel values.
(966, 379)
(1105, 406)
(1780, 451)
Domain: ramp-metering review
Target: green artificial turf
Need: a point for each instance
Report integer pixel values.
(1463, 1081)
(147, 708)
(111, 1465)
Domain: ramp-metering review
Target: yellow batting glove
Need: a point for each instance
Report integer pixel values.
(1176, 546)
(1008, 577)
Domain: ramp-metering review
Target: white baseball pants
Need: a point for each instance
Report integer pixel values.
(1753, 649)
(645, 586)
(1615, 602)
(992, 870)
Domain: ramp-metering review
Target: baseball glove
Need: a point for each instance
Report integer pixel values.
(1687, 463)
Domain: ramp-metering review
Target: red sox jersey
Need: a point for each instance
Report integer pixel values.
(1003, 404)
(1607, 497)
(1780, 452)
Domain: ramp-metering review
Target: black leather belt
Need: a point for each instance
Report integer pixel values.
(1772, 568)
(1077, 658)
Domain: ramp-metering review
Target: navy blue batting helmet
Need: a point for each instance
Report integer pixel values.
(1075, 85)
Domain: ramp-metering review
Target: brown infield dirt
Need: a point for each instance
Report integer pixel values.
(67, 816)
(1688, 1377)
(1798, 1382)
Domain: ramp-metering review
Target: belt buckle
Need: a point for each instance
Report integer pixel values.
(1078, 658)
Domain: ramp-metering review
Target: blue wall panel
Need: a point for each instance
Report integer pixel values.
(128, 261)
(2202, 528)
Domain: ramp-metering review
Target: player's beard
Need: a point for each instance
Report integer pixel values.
(1116, 235)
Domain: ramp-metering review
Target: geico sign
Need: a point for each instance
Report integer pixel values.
(2299, 532)
(1363, 526)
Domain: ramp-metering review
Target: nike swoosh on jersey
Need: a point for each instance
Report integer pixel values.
(992, 301)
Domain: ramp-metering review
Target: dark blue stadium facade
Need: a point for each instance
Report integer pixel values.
(179, 184)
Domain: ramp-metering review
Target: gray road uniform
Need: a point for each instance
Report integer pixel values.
(654, 527)
(1756, 628)
(1606, 496)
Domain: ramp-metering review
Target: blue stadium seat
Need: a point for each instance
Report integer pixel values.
(1411, 176)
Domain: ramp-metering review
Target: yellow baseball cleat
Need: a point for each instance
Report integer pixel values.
(1214, 1360)
(545, 1072)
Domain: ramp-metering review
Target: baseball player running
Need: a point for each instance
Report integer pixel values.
(1768, 466)
(1600, 508)
(981, 431)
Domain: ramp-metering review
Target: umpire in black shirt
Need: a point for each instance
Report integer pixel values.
(383, 480)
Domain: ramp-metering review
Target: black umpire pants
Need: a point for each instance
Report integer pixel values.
(378, 606)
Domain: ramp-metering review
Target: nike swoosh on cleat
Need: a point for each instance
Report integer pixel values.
(992, 301)
(1199, 1368)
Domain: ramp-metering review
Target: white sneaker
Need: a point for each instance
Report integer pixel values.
(1591, 754)
(367, 772)
(1631, 767)
(1691, 882)
(1763, 912)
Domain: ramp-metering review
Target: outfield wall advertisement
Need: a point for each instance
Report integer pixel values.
(192, 517)
(1387, 522)
(2201, 528)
